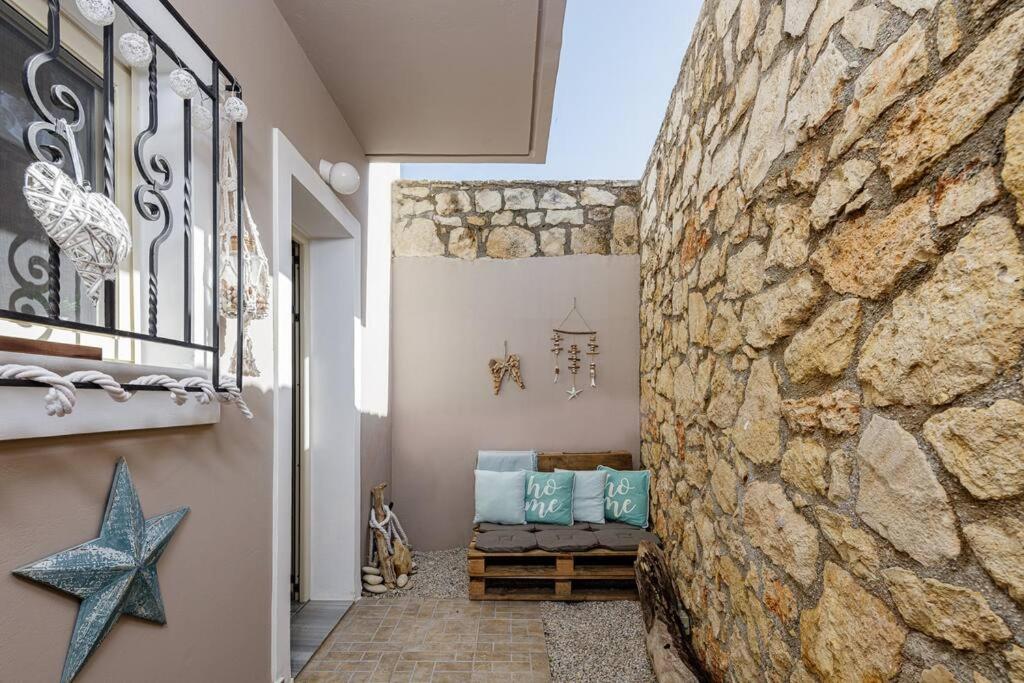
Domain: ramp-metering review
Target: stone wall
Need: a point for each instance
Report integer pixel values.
(832, 314)
(514, 220)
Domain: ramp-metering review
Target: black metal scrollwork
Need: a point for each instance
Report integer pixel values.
(32, 284)
(57, 126)
(60, 95)
(157, 178)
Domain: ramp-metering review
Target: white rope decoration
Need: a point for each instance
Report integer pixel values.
(229, 393)
(178, 393)
(390, 527)
(233, 394)
(63, 405)
(103, 381)
(207, 392)
(62, 400)
(62, 395)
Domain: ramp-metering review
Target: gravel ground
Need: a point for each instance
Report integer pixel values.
(596, 642)
(587, 641)
(439, 574)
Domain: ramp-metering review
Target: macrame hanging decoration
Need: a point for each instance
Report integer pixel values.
(574, 355)
(509, 365)
(254, 260)
(87, 226)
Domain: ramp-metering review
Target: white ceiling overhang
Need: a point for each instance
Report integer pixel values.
(437, 80)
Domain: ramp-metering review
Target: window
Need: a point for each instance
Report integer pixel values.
(24, 279)
(139, 143)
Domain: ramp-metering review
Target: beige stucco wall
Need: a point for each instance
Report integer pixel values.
(450, 317)
(215, 575)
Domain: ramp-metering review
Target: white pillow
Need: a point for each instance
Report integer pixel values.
(588, 495)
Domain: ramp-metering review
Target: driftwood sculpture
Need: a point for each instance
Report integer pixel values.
(384, 563)
(673, 658)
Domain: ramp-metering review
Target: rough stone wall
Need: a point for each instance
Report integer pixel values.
(514, 219)
(832, 315)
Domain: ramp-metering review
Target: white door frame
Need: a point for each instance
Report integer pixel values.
(302, 199)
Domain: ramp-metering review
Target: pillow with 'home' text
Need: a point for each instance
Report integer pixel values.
(626, 496)
(549, 497)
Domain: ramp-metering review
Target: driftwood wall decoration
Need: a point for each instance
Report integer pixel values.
(507, 366)
(114, 574)
(558, 333)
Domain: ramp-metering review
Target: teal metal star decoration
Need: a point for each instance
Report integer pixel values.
(114, 574)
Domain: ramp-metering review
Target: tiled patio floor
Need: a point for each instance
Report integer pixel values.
(434, 640)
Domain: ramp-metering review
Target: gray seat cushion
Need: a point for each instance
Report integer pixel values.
(506, 541)
(624, 539)
(578, 526)
(565, 540)
(608, 526)
(490, 526)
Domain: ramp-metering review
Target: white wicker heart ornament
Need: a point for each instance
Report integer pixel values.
(87, 226)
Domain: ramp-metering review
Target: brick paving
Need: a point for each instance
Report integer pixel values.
(434, 641)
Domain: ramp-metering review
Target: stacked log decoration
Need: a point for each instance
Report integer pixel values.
(391, 564)
(673, 658)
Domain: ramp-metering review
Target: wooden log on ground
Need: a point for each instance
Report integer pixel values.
(673, 658)
(387, 568)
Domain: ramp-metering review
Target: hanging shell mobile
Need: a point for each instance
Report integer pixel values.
(574, 352)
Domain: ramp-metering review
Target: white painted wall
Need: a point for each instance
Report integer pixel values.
(301, 199)
(373, 389)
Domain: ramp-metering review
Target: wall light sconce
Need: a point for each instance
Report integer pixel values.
(342, 176)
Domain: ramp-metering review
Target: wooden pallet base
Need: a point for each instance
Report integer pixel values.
(542, 575)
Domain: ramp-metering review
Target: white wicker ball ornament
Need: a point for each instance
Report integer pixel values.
(202, 118)
(87, 226)
(99, 12)
(183, 84)
(135, 49)
(235, 109)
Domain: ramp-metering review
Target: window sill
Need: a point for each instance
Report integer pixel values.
(23, 414)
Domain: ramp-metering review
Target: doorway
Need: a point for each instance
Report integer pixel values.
(307, 211)
(295, 577)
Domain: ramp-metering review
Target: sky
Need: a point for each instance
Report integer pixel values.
(619, 63)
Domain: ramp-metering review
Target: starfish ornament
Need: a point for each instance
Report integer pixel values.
(574, 392)
(114, 574)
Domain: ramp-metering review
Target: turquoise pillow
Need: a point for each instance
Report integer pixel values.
(588, 495)
(499, 497)
(549, 497)
(626, 495)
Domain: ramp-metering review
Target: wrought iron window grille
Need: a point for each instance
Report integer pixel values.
(59, 106)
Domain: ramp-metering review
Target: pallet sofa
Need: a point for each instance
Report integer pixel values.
(598, 573)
